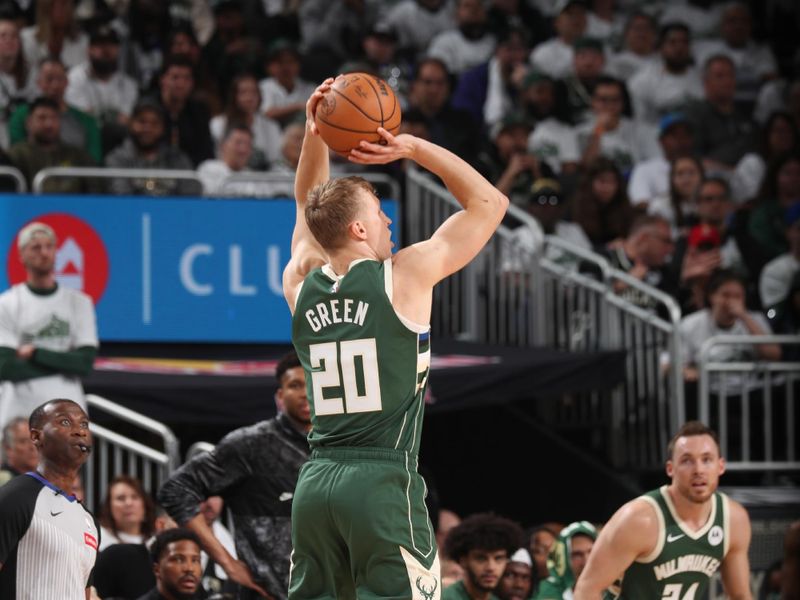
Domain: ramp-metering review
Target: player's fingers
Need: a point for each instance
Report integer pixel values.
(386, 135)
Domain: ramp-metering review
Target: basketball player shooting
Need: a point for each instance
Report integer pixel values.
(360, 327)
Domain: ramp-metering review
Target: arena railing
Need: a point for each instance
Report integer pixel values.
(16, 175)
(751, 404)
(148, 451)
(112, 173)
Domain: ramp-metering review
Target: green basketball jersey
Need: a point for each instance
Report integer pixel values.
(366, 367)
(682, 563)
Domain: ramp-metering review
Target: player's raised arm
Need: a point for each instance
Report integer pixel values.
(459, 239)
(630, 534)
(735, 569)
(313, 169)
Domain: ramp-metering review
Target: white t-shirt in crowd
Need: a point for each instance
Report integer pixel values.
(776, 279)
(527, 240)
(93, 96)
(699, 326)
(555, 143)
(274, 95)
(553, 58)
(267, 135)
(649, 180)
(459, 53)
(626, 145)
(655, 91)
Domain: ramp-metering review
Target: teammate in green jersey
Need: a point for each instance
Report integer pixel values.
(667, 544)
(360, 327)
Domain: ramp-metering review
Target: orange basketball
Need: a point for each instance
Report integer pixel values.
(353, 109)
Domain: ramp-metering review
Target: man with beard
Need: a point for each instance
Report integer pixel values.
(44, 148)
(48, 540)
(48, 336)
(176, 562)
(567, 561)
(255, 471)
(669, 542)
(144, 148)
(482, 544)
(469, 44)
(517, 581)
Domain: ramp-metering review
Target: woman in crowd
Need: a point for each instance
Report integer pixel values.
(680, 207)
(601, 206)
(127, 515)
(56, 33)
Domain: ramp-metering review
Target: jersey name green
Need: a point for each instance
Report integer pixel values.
(682, 563)
(366, 367)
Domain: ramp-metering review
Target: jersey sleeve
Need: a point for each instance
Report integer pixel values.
(17, 501)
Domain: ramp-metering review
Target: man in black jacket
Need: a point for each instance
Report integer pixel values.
(255, 471)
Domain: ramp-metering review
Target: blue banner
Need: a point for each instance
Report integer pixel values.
(168, 269)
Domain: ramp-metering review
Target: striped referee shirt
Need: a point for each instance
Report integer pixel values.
(48, 541)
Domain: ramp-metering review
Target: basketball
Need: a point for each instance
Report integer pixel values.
(353, 109)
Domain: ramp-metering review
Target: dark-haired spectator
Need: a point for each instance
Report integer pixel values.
(722, 134)
(144, 148)
(469, 44)
(235, 151)
(19, 452)
(778, 136)
(777, 275)
(44, 148)
(569, 556)
(650, 179)
(553, 140)
(283, 92)
(726, 314)
(779, 94)
(13, 73)
(77, 128)
(149, 25)
(243, 106)
(182, 41)
(127, 515)
(489, 91)
(601, 206)
(542, 539)
(669, 84)
(639, 48)
(507, 163)
(679, 204)
(417, 22)
(334, 30)
(779, 191)
(517, 581)
(56, 33)
(482, 544)
(702, 18)
(610, 134)
(785, 318)
(555, 56)
(255, 471)
(504, 15)
(175, 556)
(186, 119)
(588, 63)
(605, 21)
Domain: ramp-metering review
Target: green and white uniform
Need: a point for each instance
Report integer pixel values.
(683, 561)
(360, 522)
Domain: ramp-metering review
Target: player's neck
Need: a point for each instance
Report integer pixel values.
(341, 260)
(694, 514)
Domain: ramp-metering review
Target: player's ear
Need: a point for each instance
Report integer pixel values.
(722, 466)
(36, 437)
(279, 400)
(670, 468)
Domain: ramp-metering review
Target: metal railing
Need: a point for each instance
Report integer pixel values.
(266, 184)
(751, 404)
(113, 173)
(116, 454)
(16, 175)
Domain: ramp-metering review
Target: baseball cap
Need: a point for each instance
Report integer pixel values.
(534, 77)
(545, 192)
(522, 556)
(103, 34)
(670, 120)
(562, 5)
(147, 103)
(383, 31)
(588, 43)
(31, 229)
(279, 45)
(792, 214)
(510, 121)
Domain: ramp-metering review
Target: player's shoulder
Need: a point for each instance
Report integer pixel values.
(639, 514)
(21, 489)
(737, 513)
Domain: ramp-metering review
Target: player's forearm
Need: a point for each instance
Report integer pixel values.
(313, 167)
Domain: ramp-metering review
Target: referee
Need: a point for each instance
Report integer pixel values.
(48, 540)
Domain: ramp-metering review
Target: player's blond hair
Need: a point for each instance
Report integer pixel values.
(331, 207)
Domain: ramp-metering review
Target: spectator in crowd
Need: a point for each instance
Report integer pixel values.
(56, 34)
(182, 41)
(255, 471)
(639, 49)
(19, 452)
(669, 84)
(125, 570)
(186, 119)
(568, 559)
(542, 539)
(777, 276)
(702, 18)
(48, 336)
(481, 544)
(469, 44)
(785, 318)
(149, 23)
(780, 190)
(779, 136)
(605, 22)
(234, 155)
(44, 148)
(451, 570)
(417, 22)
(517, 582)
(242, 106)
(449, 127)
(601, 206)
(553, 141)
(77, 128)
(507, 162)
(215, 579)
(175, 557)
(13, 73)
(755, 64)
(489, 91)
(555, 56)
(283, 92)
(650, 179)
(48, 540)
(144, 148)
(127, 515)
(679, 205)
(291, 144)
(779, 94)
(608, 133)
(723, 135)
(503, 15)
(726, 315)
(588, 64)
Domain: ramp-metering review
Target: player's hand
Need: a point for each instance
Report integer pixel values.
(25, 352)
(313, 101)
(240, 573)
(393, 148)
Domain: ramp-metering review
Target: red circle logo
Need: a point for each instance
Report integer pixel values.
(81, 257)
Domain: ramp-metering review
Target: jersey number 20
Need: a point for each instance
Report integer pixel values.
(329, 357)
